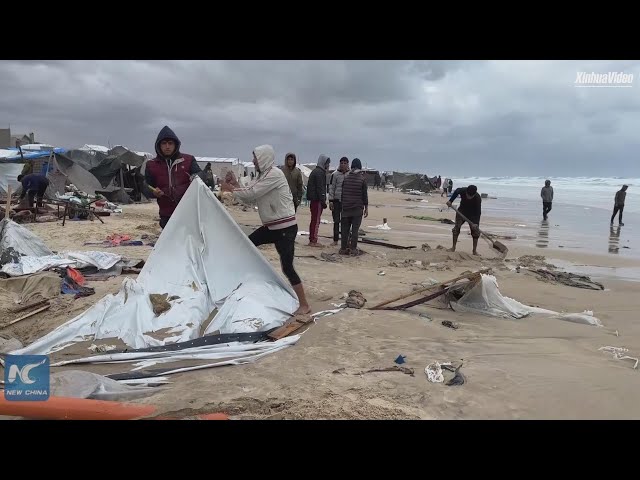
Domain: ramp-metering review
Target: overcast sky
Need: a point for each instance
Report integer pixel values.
(459, 118)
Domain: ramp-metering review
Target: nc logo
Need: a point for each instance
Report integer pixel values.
(26, 377)
(23, 373)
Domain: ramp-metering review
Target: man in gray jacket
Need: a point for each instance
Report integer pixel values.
(547, 197)
(335, 196)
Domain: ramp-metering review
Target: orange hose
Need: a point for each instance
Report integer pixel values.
(65, 408)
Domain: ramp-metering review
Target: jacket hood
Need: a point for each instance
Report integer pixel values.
(167, 134)
(295, 160)
(266, 156)
(322, 160)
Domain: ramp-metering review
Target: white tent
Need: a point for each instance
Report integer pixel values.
(194, 260)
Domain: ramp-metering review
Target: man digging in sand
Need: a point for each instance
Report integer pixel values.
(470, 207)
(273, 196)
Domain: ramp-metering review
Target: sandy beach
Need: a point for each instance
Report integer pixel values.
(532, 368)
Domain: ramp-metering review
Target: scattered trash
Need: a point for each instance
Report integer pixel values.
(425, 247)
(384, 226)
(381, 273)
(617, 335)
(619, 354)
(355, 299)
(331, 257)
(569, 279)
(424, 315)
(449, 324)
(101, 348)
(71, 286)
(395, 368)
(458, 377)
(339, 305)
(302, 233)
(434, 373)
(325, 221)
(400, 359)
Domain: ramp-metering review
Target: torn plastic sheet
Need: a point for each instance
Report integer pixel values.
(80, 384)
(21, 239)
(434, 373)
(215, 260)
(31, 264)
(206, 352)
(484, 297)
(243, 357)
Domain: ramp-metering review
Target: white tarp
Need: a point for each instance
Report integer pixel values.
(194, 259)
(29, 264)
(9, 176)
(21, 239)
(484, 297)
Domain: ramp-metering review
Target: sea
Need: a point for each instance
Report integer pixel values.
(579, 219)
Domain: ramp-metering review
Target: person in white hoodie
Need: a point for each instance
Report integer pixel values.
(273, 196)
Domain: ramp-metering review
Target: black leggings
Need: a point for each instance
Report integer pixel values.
(617, 209)
(285, 241)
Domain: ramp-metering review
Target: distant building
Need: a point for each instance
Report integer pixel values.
(11, 141)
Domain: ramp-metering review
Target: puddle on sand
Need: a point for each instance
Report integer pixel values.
(597, 272)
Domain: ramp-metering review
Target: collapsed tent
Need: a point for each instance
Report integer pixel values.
(17, 241)
(105, 166)
(195, 264)
(413, 181)
(483, 297)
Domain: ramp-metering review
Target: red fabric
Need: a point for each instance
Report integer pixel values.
(314, 226)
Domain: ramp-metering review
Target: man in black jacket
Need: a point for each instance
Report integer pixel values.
(355, 204)
(470, 207)
(317, 195)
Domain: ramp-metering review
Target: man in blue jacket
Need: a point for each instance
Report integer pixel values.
(33, 185)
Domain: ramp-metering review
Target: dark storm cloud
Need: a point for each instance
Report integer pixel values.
(449, 117)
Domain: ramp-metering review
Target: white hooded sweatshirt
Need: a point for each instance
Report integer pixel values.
(270, 191)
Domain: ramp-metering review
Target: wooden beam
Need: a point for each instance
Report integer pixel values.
(430, 287)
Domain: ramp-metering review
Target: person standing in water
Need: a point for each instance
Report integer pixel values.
(547, 197)
(618, 204)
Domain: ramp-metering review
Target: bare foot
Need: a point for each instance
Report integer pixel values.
(477, 254)
(302, 310)
(314, 244)
(335, 244)
(451, 250)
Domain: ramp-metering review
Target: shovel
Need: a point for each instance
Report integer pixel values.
(501, 247)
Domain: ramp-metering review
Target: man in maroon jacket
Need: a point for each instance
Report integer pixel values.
(169, 174)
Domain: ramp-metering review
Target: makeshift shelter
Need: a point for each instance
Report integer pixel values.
(220, 166)
(203, 279)
(414, 181)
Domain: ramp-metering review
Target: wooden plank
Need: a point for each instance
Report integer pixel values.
(290, 326)
(430, 287)
(31, 305)
(418, 301)
(30, 314)
(6, 212)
